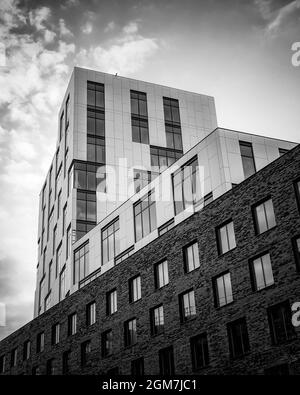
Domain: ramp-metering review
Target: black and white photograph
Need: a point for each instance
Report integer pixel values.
(150, 191)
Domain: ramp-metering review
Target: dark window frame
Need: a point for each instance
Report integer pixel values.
(195, 355)
(153, 327)
(130, 336)
(166, 370)
(192, 315)
(296, 251)
(156, 274)
(185, 256)
(216, 291)
(219, 239)
(252, 271)
(255, 216)
(289, 329)
(245, 342)
(131, 288)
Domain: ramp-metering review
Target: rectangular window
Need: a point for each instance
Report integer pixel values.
(157, 320)
(186, 186)
(226, 237)
(144, 216)
(166, 361)
(161, 158)
(48, 302)
(66, 362)
(61, 125)
(95, 94)
(95, 150)
(171, 110)
(264, 216)
(59, 260)
(161, 274)
(141, 179)
(49, 276)
(64, 219)
(191, 257)
(54, 240)
(187, 305)
(135, 289)
(297, 191)
(111, 302)
(130, 333)
(261, 272)
(2, 364)
(86, 209)
(110, 241)
(85, 352)
(59, 204)
(41, 293)
(247, 158)
(26, 350)
(82, 228)
(67, 112)
(223, 290)
(137, 367)
(72, 324)
(55, 334)
(107, 343)
(62, 284)
(50, 369)
(81, 263)
(199, 351)
(166, 227)
(280, 322)
(40, 342)
(139, 117)
(69, 242)
(14, 358)
(173, 135)
(238, 338)
(296, 248)
(91, 314)
(87, 177)
(95, 123)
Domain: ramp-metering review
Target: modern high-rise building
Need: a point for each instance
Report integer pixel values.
(144, 188)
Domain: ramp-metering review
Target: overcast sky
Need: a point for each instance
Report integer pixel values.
(237, 51)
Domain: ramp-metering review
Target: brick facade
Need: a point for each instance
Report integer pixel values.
(275, 181)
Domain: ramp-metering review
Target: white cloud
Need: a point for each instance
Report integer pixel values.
(131, 28)
(64, 31)
(49, 36)
(110, 27)
(282, 14)
(87, 28)
(39, 16)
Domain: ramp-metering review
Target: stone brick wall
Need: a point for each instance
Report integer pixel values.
(276, 180)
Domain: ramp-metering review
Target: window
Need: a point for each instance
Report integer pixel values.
(70, 179)
(166, 227)
(49, 276)
(238, 338)
(264, 216)
(144, 216)
(85, 351)
(247, 158)
(55, 334)
(297, 190)
(95, 149)
(86, 206)
(69, 242)
(2, 364)
(54, 240)
(72, 324)
(110, 241)
(59, 204)
(81, 263)
(191, 257)
(226, 238)
(280, 323)
(139, 117)
(65, 362)
(161, 158)
(64, 219)
(171, 110)
(91, 313)
(157, 320)
(14, 358)
(278, 370)
(172, 123)
(137, 367)
(40, 342)
(50, 369)
(95, 94)
(48, 302)
(59, 260)
(67, 112)
(96, 123)
(141, 179)
(296, 247)
(50, 222)
(62, 284)
(187, 305)
(26, 350)
(223, 290)
(107, 343)
(261, 272)
(82, 228)
(199, 351)
(135, 289)
(140, 132)
(87, 176)
(161, 274)
(42, 292)
(130, 333)
(282, 151)
(111, 302)
(186, 186)
(174, 139)
(166, 361)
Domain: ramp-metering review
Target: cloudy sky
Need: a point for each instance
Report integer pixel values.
(238, 51)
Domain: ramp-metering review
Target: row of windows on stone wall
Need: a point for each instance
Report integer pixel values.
(280, 326)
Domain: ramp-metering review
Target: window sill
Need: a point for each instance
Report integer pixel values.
(225, 305)
(227, 252)
(183, 322)
(265, 288)
(266, 231)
